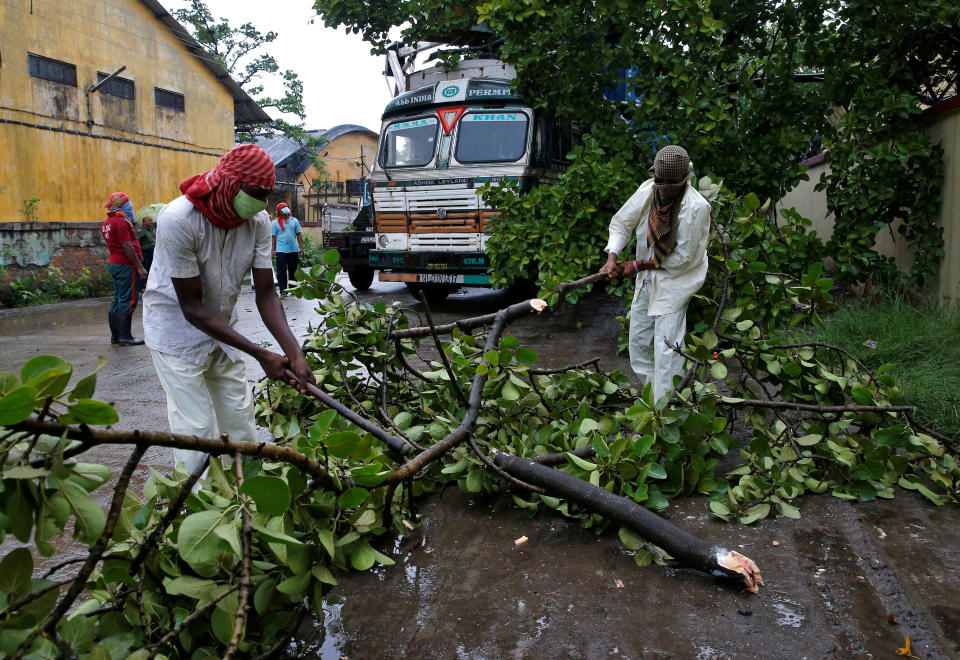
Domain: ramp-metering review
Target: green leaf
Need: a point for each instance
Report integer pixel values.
(656, 471)
(718, 370)
(755, 513)
(274, 536)
(17, 405)
(862, 395)
(788, 510)
(509, 391)
(353, 497)
(710, 339)
(90, 411)
(581, 463)
(363, 556)
(296, 585)
(15, 571)
(331, 257)
(720, 508)
(263, 595)
(8, 382)
(85, 388)
(48, 373)
(319, 429)
(809, 439)
(526, 356)
(90, 518)
(630, 539)
(271, 494)
(197, 543)
(342, 444)
(189, 586)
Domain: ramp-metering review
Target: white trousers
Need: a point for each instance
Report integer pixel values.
(650, 357)
(195, 393)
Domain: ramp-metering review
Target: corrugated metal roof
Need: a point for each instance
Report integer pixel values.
(282, 148)
(245, 109)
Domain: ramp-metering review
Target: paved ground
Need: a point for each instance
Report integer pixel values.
(466, 591)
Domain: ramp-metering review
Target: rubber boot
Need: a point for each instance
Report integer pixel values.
(124, 321)
(114, 329)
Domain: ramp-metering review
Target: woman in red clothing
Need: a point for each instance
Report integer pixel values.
(125, 266)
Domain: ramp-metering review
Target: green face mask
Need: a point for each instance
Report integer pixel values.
(247, 206)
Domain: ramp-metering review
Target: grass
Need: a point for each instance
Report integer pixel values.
(921, 340)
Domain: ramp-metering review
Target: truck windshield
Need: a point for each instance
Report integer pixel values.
(409, 143)
(490, 137)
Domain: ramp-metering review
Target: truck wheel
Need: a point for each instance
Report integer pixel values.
(361, 278)
(435, 293)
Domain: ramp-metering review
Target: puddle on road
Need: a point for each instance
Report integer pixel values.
(789, 614)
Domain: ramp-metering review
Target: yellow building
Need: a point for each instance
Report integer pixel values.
(170, 113)
(347, 158)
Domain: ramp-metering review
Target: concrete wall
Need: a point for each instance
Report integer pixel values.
(30, 248)
(48, 146)
(943, 126)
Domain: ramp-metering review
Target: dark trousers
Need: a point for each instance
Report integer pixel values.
(287, 263)
(126, 288)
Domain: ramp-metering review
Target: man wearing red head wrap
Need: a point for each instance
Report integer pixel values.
(125, 267)
(207, 240)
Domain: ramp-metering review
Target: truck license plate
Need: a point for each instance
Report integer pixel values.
(440, 278)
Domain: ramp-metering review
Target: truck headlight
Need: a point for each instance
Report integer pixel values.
(382, 241)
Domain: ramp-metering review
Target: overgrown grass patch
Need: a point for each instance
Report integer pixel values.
(55, 286)
(921, 340)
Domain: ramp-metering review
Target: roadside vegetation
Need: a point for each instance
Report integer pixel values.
(918, 337)
(55, 286)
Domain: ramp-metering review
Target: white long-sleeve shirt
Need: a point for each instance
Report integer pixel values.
(684, 270)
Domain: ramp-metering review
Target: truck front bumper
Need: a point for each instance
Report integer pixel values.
(462, 268)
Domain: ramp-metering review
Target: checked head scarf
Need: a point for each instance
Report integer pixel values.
(671, 167)
(119, 203)
(212, 192)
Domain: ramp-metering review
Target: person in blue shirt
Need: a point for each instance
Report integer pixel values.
(287, 246)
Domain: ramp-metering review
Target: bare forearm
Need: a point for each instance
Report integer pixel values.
(271, 311)
(132, 255)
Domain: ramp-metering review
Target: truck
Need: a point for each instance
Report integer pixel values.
(446, 133)
(350, 232)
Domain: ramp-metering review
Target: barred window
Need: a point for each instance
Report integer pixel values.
(120, 87)
(48, 69)
(167, 99)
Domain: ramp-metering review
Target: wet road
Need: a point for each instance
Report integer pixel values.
(466, 591)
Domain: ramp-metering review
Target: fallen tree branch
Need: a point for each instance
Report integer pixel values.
(465, 428)
(96, 552)
(808, 407)
(687, 549)
(398, 445)
(92, 438)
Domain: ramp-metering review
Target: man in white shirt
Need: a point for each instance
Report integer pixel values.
(207, 240)
(672, 223)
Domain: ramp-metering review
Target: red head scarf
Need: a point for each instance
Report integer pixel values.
(280, 207)
(212, 192)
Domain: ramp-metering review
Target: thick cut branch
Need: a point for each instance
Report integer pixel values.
(687, 549)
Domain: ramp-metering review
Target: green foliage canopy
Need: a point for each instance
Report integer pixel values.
(747, 86)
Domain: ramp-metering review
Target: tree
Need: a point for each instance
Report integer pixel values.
(745, 85)
(237, 48)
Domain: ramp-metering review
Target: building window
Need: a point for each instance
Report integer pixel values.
(165, 99)
(120, 87)
(55, 70)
